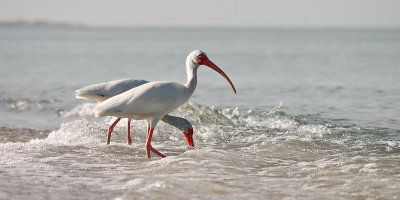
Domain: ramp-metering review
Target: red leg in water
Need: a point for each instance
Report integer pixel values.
(148, 144)
(110, 129)
(157, 152)
(128, 135)
(148, 140)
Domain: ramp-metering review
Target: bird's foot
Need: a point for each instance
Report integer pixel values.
(129, 141)
(157, 152)
(150, 148)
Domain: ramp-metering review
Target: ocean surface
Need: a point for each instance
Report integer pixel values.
(316, 114)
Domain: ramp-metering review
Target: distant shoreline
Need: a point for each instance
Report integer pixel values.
(69, 24)
(38, 23)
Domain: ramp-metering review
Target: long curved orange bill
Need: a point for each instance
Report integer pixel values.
(189, 137)
(217, 69)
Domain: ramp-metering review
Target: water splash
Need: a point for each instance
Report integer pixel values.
(212, 125)
(81, 110)
(77, 132)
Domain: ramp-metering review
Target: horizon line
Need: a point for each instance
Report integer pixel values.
(40, 22)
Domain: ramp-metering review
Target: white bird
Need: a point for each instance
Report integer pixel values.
(102, 91)
(153, 100)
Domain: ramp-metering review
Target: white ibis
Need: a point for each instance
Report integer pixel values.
(153, 100)
(102, 91)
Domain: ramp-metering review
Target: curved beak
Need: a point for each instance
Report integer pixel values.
(217, 69)
(189, 137)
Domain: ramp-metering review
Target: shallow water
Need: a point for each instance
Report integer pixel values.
(316, 115)
(238, 154)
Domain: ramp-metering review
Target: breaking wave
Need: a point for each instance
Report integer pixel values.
(232, 146)
(212, 125)
(25, 104)
(227, 128)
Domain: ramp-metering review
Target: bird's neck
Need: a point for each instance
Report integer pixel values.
(178, 122)
(191, 83)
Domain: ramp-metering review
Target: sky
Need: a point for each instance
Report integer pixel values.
(197, 13)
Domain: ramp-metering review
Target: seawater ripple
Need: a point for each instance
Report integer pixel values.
(239, 153)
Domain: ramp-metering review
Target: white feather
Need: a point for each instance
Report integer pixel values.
(102, 91)
(150, 99)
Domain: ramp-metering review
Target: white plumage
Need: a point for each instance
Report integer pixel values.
(153, 100)
(103, 91)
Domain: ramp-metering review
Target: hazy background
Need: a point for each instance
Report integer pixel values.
(270, 13)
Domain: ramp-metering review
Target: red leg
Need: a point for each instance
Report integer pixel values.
(148, 140)
(157, 152)
(148, 144)
(110, 129)
(128, 135)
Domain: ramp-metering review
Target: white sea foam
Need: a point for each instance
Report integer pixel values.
(81, 110)
(252, 147)
(77, 132)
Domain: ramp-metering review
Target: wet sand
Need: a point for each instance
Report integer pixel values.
(20, 134)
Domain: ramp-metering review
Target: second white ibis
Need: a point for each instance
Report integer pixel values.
(153, 100)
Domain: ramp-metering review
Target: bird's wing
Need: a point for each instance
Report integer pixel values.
(150, 99)
(102, 91)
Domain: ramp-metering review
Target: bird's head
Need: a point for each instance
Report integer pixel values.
(189, 136)
(198, 58)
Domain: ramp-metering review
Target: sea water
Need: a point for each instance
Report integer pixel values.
(316, 114)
